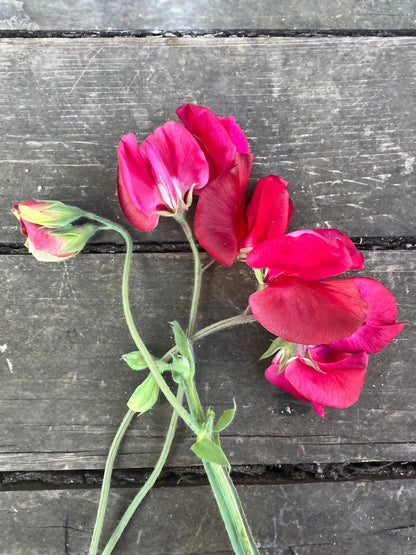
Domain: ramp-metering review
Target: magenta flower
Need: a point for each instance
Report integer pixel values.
(159, 176)
(220, 138)
(298, 304)
(380, 324)
(56, 244)
(322, 376)
(225, 227)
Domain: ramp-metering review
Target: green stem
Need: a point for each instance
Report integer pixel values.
(218, 326)
(231, 510)
(107, 479)
(149, 483)
(197, 273)
(132, 328)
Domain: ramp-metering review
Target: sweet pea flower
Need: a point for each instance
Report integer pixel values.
(56, 244)
(220, 138)
(298, 304)
(48, 213)
(225, 227)
(321, 376)
(380, 324)
(159, 176)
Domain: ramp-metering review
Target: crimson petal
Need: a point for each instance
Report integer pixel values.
(304, 254)
(220, 222)
(221, 138)
(279, 380)
(337, 385)
(309, 312)
(380, 327)
(269, 210)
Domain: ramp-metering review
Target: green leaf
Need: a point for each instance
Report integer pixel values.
(275, 346)
(208, 451)
(134, 360)
(144, 396)
(225, 419)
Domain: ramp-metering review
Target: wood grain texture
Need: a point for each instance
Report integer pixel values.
(204, 14)
(64, 387)
(376, 518)
(335, 117)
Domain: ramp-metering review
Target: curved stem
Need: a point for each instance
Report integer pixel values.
(107, 479)
(133, 330)
(149, 483)
(197, 274)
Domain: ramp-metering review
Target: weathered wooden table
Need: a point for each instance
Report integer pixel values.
(326, 95)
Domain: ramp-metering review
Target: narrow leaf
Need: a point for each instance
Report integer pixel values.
(208, 451)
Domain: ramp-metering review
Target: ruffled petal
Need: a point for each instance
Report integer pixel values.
(338, 384)
(135, 176)
(156, 175)
(220, 221)
(304, 254)
(380, 327)
(181, 164)
(131, 210)
(334, 235)
(269, 210)
(309, 312)
(221, 138)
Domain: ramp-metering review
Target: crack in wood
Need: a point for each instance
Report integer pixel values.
(195, 476)
(210, 33)
(362, 243)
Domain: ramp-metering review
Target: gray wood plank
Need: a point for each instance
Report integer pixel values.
(201, 14)
(376, 518)
(64, 387)
(335, 117)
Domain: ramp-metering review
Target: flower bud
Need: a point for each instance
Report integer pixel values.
(144, 396)
(55, 245)
(51, 213)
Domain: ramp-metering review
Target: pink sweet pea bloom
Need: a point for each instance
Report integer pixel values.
(225, 227)
(220, 138)
(56, 244)
(298, 304)
(159, 176)
(380, 324)
(323, 377)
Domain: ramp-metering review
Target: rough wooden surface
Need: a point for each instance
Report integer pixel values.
(204, 14)
(64, 387)
(306, 519)
(336, 117)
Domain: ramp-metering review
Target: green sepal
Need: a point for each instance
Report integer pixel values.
(183, 345)
(225, 419)
(275, 346)
(144, 396)
(209, 451)
(216, 438)
(181, 369)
